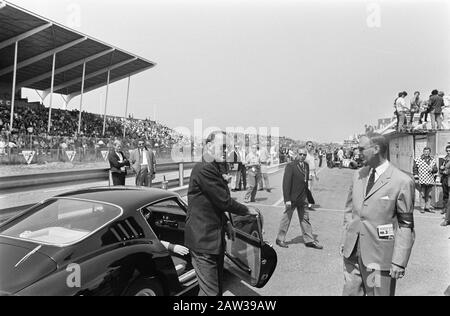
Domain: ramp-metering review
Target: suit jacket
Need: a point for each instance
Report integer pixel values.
(295, 183)
(136, 163)
(115, 164)
(391, 201)
(208, 200)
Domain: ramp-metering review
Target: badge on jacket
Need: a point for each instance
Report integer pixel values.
(386, 232)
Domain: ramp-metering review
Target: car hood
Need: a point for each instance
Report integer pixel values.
(15, 277)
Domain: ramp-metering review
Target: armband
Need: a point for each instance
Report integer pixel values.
(405, 220)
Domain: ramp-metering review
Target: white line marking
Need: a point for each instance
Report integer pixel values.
(59, 189)
(278, 202)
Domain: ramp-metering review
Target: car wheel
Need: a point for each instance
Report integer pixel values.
(145, 288)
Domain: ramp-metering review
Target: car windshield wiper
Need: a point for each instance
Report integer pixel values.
(28, 255)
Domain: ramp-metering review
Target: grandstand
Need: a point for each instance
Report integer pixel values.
(40, 54)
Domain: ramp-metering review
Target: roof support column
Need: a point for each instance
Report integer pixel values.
(126, 107)
(51, 95)
(106, 101)
(81, 99)
(13, 93)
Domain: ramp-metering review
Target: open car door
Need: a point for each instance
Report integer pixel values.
(248, 256)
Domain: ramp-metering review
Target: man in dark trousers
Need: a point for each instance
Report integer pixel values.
(209, 199)
(118, 162)
(295, 191)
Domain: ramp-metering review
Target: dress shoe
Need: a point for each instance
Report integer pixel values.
(423, 211)
(429, 211)
(281, 244)
(314, 245)
(269, 190)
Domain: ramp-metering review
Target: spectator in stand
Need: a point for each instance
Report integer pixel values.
(425, 170)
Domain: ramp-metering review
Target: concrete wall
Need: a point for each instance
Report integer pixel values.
(404, 148)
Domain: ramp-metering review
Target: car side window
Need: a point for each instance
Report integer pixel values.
(168, 206)
(167, 219)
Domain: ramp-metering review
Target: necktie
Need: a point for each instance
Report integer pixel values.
(371, 182)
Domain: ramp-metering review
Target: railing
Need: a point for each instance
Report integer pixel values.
(56, 179)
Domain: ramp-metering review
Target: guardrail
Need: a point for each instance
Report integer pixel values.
(173, 184)
(9, 183)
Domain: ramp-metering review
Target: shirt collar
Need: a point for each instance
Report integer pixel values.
(382, 168)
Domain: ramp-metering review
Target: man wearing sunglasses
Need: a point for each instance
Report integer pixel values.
(295, 191)
(378, 233)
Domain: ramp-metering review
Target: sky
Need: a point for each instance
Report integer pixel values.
(317, 69)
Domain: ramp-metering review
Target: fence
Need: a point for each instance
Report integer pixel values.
(82, 150)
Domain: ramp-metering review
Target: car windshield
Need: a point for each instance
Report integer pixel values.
(61, 221)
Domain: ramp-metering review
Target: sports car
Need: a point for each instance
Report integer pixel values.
(109, 241)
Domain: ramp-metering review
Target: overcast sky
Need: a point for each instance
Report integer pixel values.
(319, 70)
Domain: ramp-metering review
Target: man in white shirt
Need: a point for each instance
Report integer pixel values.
(400, 108)
(378, 233)
(264, 158)
(253, 165)
(118, 162)
(311, 161)
(144, 165)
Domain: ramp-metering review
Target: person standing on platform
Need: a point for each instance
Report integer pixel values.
(118, 163)
(253, 165)
(378, 233)
(295, 191)
(401, 109)
(143, 162)
(425, 170)
(415, 106)
(436, 104)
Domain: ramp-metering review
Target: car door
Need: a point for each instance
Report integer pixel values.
(248, 256)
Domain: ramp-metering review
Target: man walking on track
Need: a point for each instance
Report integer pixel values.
(295, 187)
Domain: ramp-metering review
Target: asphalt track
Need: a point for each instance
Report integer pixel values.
(303, 271)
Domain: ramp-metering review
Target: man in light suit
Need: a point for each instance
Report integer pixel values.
(143, 162)
(378, 231)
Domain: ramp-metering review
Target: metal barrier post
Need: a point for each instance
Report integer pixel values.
(181, 174)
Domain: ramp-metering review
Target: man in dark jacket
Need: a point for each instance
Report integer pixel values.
(118, 162)
(295, 191)
(208, 200)
(436, 104)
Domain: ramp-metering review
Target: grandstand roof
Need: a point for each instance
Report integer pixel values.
(40, 38)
